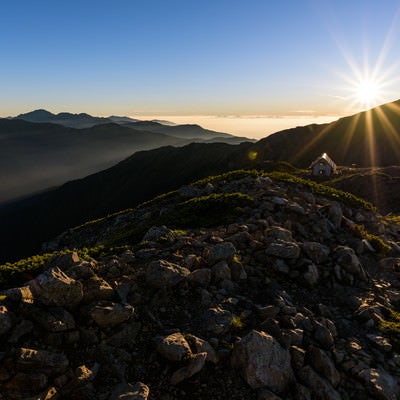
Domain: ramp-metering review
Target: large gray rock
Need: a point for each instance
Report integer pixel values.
(55, 288)
(173, 347)
(156, 232)
(97, 288)
(322, 363)
(195, 364)
(311, 276)
(283, 249)
(221, 252)
(279, 233)
(348, 260)
(202, 346)
(221, 271)
(335, 214)
(323, 335)
(380, 342)
(41, 361)
(110, 314)
(320, 388)
(56, 319)
(263, 362)
(200, 277)
(217, 320)
(127, 391)
(64, 261)
(316, 251)
(380, 384)
(163, 274)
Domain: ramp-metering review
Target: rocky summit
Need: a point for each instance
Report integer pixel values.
(295, 296)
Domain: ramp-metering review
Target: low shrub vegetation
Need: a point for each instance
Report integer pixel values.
(25, 269)
(324, 190)
(376, 242)
(391, 327)
(228, 177)
(206, 211)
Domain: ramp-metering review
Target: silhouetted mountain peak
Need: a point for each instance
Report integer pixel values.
(36, 115)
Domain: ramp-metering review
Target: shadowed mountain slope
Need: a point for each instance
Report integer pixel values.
(138, 178)
(36, 156)
(370, 138)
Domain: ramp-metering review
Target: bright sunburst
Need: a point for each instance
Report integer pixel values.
(367, 93)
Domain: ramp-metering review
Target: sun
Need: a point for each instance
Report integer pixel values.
(367, 93)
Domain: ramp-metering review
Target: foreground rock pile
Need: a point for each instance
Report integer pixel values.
(285, 303)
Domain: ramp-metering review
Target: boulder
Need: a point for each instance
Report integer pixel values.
(202, 346)
(195, 364)
(55, 319)
(283, 249)
(348, 260)
(221, 252)
(55, 288)
(321, 362)
(110, 314)
(279, 233)
(156, 232)
(200, 277)
(311, 276)
(335, 214)
(164, 274)
(65, 261)
(173, 347)
(217, 320)
(380, 384)
(380, 342)
(41, 361)
(323, 335)
(127, 391)
(320, 388)
(97, 288)
(221, 271)
(317, 252)
(263, 362)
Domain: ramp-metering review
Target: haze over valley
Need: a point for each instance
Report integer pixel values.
(39, 149)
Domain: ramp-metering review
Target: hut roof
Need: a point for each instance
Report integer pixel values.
(325, 157)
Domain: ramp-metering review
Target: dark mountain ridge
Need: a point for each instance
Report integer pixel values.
(370, 138)
(81, 120)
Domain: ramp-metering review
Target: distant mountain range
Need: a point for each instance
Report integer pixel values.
(39, 149)
(79, 121)
(369, 138)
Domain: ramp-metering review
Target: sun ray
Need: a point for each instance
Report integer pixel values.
(390, 130)
(306, 148)
(350, 132)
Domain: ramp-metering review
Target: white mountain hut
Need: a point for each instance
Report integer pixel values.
(323, 166)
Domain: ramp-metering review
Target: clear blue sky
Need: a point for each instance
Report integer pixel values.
(188, 57)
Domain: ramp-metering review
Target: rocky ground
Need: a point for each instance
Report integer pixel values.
(288, 302)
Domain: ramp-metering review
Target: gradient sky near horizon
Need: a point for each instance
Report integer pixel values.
(254, 62)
